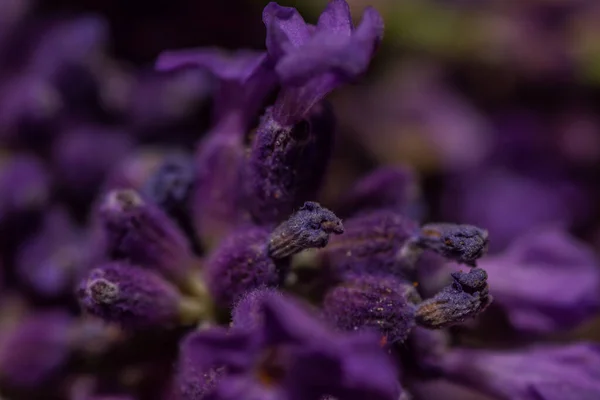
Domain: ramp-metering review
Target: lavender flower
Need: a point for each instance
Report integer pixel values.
(141, 233)
(289, 356)
(135, 298)
(244, 80)
(311, 62)
(290, 152)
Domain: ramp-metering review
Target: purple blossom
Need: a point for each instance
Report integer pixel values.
(289, 356)
(312, 61)
(290, 146)
(244, 80)
(141, 233)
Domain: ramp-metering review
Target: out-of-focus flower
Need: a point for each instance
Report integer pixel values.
(506, 214)
(244, 80)
(546, 281)
(542, 372)
(36, 350)
(30, 108)
(24, 187)
(392, 188)
(290, 355)
(83, 156)
(50, 261)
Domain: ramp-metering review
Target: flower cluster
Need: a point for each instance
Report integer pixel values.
(213, 272)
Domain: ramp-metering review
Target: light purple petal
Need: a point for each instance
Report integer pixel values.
(336, 18)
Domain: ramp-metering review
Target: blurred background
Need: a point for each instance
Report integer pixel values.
(495, 104)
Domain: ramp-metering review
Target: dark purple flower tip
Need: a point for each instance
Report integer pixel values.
(24, 186)
(318, 60)
(49, 262)
(36, 350)
(240, 264)
(84, 155)
(529, 373)
(393, 188)
(546, 281)
(133, 297)
(141, 233)
(465, 298)
(382, 304)
(307, 228)
(247, 313)
(370, 244)
(462, 243)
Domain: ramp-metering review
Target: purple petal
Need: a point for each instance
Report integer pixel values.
(546, 282)
(336, 18)
(516, 374)
(285, 29)
(239, 66)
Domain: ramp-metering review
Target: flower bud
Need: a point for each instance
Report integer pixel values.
(135, 298)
